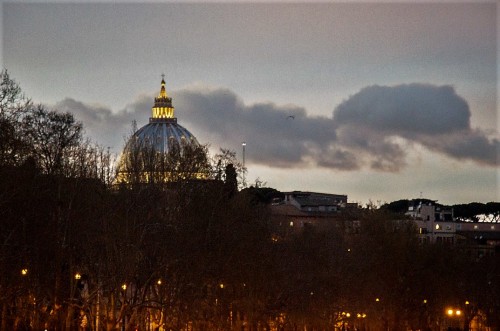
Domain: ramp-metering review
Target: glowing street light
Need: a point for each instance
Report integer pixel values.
(78, 276)
(24, 272)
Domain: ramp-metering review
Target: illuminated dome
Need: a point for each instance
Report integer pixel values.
(163, 131)
(161, 134)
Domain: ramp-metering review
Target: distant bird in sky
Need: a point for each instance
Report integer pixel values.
(291, 116)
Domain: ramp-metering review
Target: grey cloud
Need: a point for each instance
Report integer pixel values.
(433, 116)
(412, 108)
(466, 145)
(374, 128)
(103, 126)
(280, 136)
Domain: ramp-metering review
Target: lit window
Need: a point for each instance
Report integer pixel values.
(438, 226)
(291, 223)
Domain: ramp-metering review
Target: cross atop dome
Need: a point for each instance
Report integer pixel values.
(162, 108)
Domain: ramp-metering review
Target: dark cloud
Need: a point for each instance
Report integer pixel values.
(406, 109)
(280, 136)
(376, 120)
(466, 145)
(374, 128)
(103, 126)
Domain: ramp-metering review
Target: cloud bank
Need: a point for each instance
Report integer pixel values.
(374, 128)
(377, 118)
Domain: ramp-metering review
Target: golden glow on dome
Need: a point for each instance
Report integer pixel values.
(163, 104)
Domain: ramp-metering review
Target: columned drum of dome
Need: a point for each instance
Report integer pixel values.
(160, 136)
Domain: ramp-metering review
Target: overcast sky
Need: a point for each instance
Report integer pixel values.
(389, 101)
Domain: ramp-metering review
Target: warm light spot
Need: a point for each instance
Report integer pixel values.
(24, 272)
(458, 312)
(348, 315)
(467, 302)
(221, 285)
(377, 299)
(450, 312)
(158, 282)
(425, 301)
(124, 287)
(78, 276)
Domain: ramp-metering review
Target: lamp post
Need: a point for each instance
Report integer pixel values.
(124, 318)
(243, 144)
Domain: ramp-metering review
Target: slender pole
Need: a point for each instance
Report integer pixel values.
(243, 144)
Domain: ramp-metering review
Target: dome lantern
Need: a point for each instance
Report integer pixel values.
(162, 108)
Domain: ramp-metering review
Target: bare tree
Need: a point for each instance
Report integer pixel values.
(51, 135)
(13, 106)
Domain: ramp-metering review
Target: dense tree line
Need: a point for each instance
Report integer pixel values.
(465, 211)
(79, 253)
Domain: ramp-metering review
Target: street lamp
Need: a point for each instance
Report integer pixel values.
(243, 144)
(454, 316)
(453, 312)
